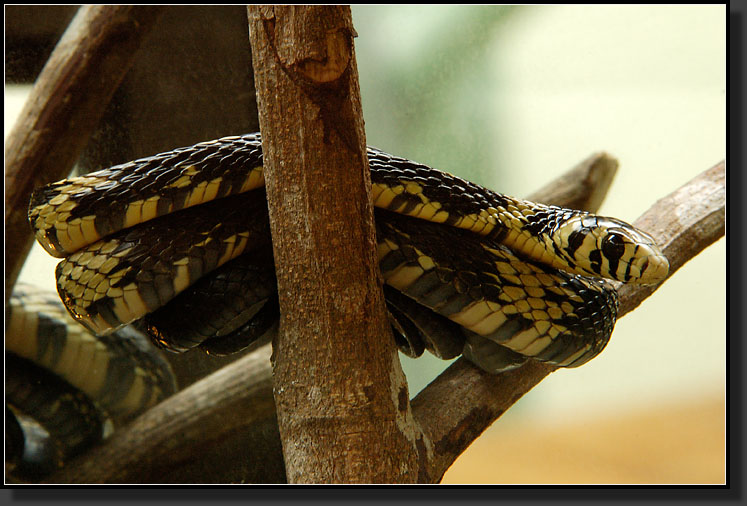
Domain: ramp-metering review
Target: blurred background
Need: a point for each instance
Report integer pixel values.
(511, 97)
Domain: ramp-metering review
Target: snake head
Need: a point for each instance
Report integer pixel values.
(610, 248)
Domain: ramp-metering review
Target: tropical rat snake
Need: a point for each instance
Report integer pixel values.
(180, 243)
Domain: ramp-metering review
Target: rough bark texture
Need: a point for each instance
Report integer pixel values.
(695, 219)
(337, 378)
(62, 110)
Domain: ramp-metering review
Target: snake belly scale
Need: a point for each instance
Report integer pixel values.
(519, 280)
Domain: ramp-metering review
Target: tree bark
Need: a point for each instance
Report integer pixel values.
(584, 187)
(340, 393)
(62, 110)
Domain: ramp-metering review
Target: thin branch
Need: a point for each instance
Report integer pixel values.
(62, 110)
(464, 401)
(695, 218)
(584, 187)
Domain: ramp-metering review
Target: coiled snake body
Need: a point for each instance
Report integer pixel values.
(181, 240)
(511, 272)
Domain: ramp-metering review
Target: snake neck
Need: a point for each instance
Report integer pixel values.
(531, 231)
(571, 240)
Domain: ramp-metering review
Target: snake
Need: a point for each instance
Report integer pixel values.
(466, 270)
(67, 389)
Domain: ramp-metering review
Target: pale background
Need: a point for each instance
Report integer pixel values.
(510, 98)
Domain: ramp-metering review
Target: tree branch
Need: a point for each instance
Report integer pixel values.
(338, 384)
(62, 110)
(584, 187)
(464, 401)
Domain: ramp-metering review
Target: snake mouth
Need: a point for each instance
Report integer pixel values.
(652, 269)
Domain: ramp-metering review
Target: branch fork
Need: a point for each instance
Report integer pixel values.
(343, 420)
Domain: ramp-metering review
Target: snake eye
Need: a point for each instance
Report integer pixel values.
(613, 246)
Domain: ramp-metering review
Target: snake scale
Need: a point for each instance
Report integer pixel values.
(179, 243)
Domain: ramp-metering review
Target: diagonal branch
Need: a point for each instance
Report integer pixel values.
(464, 401)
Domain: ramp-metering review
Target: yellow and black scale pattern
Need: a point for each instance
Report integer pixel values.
(513, 275)
(493, 295)
(77, 387)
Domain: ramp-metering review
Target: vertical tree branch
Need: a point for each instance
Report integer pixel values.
(62, 110)
(341, 396)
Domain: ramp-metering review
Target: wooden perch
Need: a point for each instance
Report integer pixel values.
(62, 110)
(454, 409)
(338, 385)
(584, 187)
